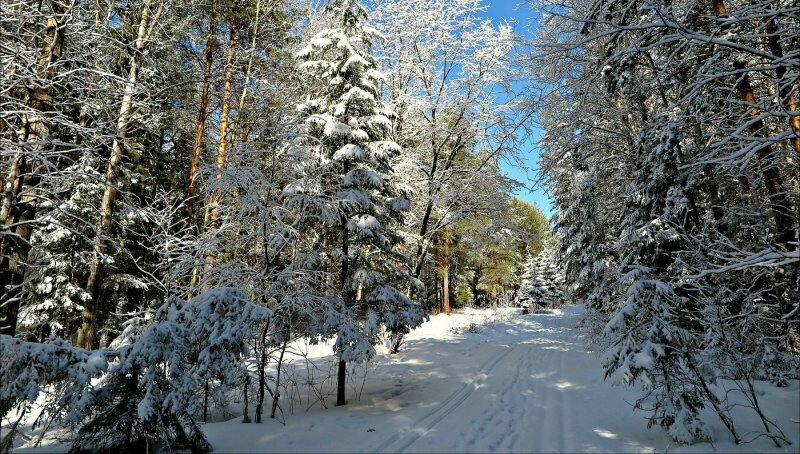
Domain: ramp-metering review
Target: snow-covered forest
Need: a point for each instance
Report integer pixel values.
(400, 225)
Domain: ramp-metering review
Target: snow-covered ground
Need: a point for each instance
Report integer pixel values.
(521, 384)
(512, 383)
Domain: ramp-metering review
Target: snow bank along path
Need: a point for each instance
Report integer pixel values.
(522, 384)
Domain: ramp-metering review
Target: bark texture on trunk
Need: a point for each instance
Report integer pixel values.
(213, 211)
(246, 400)
(786, 89)
(243, 96)
(277, 393)
(262, 373)
(442, 262)
(779, 202)
(20, 183)
(202, 114)
(87, 332)
(719, 8)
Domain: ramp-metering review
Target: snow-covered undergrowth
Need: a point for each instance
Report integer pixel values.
(307, 381)
(521, 383)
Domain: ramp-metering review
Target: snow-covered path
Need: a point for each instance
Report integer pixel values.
(517, 400)
(524, 384)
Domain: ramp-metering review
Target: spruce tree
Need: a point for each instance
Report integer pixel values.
(346, 187)
(60, 254)
(542, 281)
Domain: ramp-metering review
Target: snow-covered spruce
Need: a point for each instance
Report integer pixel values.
(347, 187)
(51, 377)
(61, 253)
(147, 392)
(675, 196)
(542, 283)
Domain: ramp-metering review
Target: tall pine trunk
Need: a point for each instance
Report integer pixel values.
(20, 183)
(785, 89)
(94, 308)
(213, 211)
(202, 114)
(779, 202)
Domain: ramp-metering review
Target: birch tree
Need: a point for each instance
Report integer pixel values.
(148, 19)
(448, 74)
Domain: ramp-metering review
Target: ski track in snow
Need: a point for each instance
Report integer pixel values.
(424, 425)
(525, 400)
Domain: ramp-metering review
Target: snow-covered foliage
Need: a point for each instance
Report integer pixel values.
(149, 396)
(348, 167)
(142, 394)
(446, 66)
(671, 161)
(542, 283)
(52, 377)
(347, 187)
(61, 253)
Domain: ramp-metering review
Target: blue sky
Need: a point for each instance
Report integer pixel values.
(514, 12)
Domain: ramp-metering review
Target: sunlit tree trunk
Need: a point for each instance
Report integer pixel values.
(202, 115)
(786, 89)
(213, 212)
(779, 203)
(87, 331)
(442, 262)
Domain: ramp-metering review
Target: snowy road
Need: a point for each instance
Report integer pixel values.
(516, 400)
(525, 384)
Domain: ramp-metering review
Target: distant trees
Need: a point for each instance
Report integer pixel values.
(670, 150)
(447, 69)
(488, 255)
(542, 282)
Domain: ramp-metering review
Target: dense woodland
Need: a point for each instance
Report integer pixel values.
(672, 146)
(189, 186)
